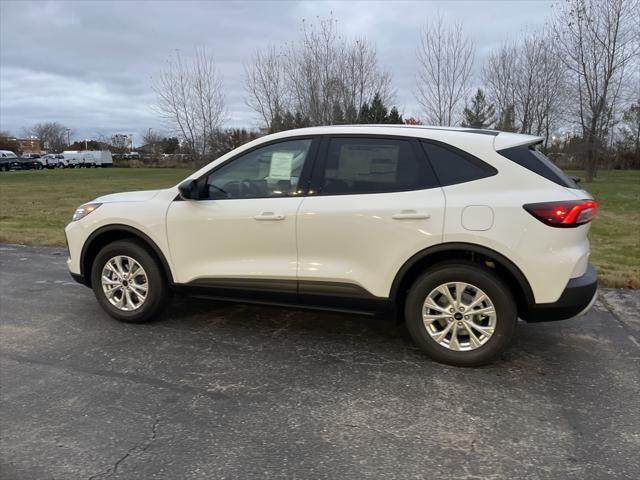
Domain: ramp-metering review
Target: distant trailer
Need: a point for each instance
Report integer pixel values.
(88, 158)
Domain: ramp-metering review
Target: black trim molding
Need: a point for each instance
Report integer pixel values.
(317, 295)
(468, 247)
(130, 230)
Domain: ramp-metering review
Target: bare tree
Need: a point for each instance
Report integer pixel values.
(598, 40)
(445, 60)
(121, 142)
(631, 119)
(265, 84)
(499, 78)
(528, 80)
(318, 77)
(550, 88)
(151, 137)
(54, 136)
(314, 70)
(539, 81)
(190, 99)
(362, 78)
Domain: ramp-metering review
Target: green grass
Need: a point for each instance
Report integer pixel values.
(615, 233)
(36, 205)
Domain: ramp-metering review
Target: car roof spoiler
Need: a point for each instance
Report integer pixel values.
(509, 140)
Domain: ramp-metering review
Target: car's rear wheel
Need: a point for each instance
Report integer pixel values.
(128, 282)
(461, 314)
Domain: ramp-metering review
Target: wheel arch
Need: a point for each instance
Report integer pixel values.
(110, 233)
(505, 268)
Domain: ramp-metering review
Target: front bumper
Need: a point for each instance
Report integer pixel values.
(577, 298)
(78, 278)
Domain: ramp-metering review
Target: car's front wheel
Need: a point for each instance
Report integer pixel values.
(128, 282)
(461, 314)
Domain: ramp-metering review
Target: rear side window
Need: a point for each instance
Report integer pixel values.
(528, 157)
(374, 165)
(455, 166)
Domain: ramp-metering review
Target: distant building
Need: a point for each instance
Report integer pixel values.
(29, 145)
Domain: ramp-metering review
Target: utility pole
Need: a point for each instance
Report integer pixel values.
(68, 136)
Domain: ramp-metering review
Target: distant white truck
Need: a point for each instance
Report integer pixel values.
(54, 160)
(88, 158)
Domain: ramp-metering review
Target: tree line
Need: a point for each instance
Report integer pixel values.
(579, 73)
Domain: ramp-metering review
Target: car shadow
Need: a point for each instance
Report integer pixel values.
(367, 335)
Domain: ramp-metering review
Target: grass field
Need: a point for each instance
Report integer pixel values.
(615, 233)
(36, 205)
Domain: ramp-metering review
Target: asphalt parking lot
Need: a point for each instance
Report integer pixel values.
(229, 391)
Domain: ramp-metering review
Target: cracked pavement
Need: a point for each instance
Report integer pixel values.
(231, 391)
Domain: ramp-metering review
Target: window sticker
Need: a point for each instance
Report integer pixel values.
(281, 165)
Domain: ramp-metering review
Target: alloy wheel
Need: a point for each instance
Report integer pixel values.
(459, 316)
(124, 283)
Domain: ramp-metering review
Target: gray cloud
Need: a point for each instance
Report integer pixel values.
(90, 64)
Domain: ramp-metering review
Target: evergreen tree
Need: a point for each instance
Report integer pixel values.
(337, 117)
(351, 115)
(507, 120)
(394, 116)
(277, 124)
(481, 114)
(377, 112)
(300, 121)
(364, 116)
(288, 121)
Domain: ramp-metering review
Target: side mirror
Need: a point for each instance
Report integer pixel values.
(188, 190)
(576, 179)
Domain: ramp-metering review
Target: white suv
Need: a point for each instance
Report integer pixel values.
(457, 231)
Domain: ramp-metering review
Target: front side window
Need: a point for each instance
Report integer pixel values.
(270, 171)
(374, 165)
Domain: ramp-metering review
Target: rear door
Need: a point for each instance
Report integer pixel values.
(374, 202)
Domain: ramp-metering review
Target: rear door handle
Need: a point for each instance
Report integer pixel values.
(269, 216)
(410, 215)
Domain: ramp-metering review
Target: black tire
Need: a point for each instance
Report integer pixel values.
(158, 290)
(480, 277)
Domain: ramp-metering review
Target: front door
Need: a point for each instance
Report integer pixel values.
(242, 233)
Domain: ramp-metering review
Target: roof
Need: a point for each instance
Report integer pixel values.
(453, 135)
(479, 131)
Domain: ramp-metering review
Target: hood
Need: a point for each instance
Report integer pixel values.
(140, 196)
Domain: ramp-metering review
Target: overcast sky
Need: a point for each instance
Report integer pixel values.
(90, 64)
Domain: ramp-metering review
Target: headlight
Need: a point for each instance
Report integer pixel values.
(84, 210)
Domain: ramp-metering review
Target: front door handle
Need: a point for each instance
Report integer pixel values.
(269, 216)
(410, 215)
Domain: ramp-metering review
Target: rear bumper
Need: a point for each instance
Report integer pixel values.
(578, 297)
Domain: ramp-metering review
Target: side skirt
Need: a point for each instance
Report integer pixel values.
(326, 296)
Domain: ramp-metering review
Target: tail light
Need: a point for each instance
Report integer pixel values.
(563, 214)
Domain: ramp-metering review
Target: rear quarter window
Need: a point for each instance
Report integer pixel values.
(529, 157)
(454, 166)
